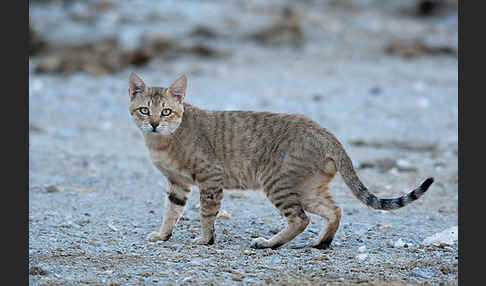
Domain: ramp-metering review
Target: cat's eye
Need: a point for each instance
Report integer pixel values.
(144, 110)
(166, 111)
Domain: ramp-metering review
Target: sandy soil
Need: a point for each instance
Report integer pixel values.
(94, 195)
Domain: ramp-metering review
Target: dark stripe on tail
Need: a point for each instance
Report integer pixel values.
(361, 191)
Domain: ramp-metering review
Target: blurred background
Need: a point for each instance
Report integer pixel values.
(319, 58)
(381, 75)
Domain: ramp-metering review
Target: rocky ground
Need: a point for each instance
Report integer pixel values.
(382, 76)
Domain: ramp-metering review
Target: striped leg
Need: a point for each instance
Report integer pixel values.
(318, 200)
(282, 193)
(173, 209)
(211, 195)
(210, 201)
(325, 207)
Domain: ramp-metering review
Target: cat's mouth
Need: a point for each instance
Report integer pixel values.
(158, 131)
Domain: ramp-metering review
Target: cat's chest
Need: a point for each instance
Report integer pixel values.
(170, 166)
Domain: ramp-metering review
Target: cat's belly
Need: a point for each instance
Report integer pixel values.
(175, 176)
(240, 178)
(237, 184)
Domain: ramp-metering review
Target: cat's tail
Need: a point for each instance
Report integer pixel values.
(351, 179)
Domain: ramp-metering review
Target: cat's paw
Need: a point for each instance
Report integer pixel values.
(326, 244)
(259, 243)
(202, 241)
(155, 236)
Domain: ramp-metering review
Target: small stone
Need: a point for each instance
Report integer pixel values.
(317, 97)
(37, 85)
(445, 238)
(423, 273)
(375, 90)
(106, 125)
(86, 190)
(419, 86)
(52, 189)
(423, 102)
(384, 226)
(399, 243)
(390, 243)
(37, 270)
(112, 227)
(362, 257)
(67, 224)
(83, 222)
(362, 249)
(405, 166)
(224, 215)
(65, 134)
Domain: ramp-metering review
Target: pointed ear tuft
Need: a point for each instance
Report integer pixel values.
(178, 88)
(136, 85)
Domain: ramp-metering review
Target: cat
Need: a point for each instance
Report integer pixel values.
(289, 156)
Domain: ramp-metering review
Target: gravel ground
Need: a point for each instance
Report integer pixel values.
(94, 195)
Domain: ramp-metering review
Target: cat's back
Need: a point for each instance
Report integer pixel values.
(244, 142)
(244, 134)
(265, 125)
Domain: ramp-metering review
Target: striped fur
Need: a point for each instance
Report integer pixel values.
(291, 157)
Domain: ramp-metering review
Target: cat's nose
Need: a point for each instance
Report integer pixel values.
(154, 125)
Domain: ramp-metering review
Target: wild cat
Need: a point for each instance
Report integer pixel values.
(290, 157)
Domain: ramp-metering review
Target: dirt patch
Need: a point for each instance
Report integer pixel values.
(107, 57)
(395, 144)
(419, 48)
(37, 43)
(430, 8)
(287, 30)
(37, 270)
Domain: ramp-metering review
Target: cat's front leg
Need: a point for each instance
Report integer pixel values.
(211, 195)
(174, 207)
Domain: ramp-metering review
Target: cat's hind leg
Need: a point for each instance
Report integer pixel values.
(174, 207)
(317, 200)
(281, 191)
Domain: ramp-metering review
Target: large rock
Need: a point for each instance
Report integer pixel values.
(444, 238)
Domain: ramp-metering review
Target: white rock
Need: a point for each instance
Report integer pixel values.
(444, 238)
(112, 227)
(403, 164)
(420, 86)
(423, 102)
(385, 226)
(362, 249)
(106, 125)
(224, 215)
(362, 257)
(399, 243)
(37, 85)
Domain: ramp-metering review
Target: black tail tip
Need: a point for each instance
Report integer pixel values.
(426, 184)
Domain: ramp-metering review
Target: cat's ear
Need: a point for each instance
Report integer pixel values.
(136, 85)
(178, 88)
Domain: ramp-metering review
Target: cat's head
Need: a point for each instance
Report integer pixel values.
(157, 110)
